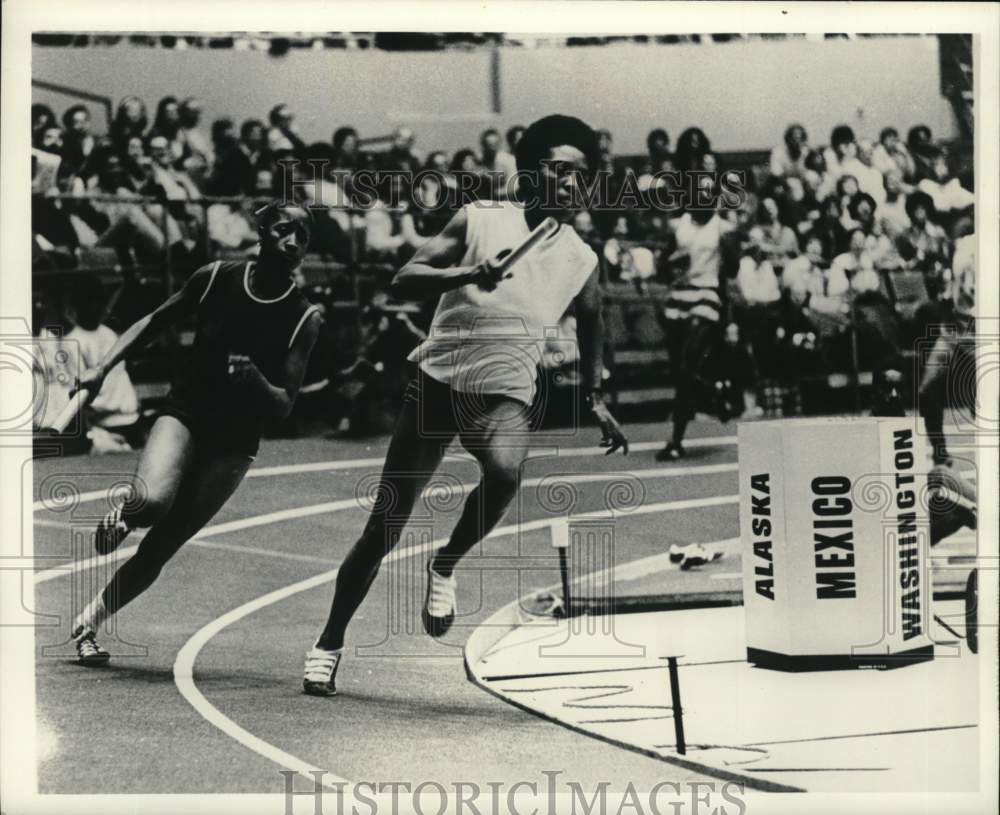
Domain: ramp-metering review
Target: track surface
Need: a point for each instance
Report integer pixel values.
(406, 711)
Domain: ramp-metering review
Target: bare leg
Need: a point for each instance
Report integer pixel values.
(168, 454)
(409, 464)
(203, 492)
(500, 445)
(932, 394)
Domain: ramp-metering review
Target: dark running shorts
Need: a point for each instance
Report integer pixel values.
(212, 434)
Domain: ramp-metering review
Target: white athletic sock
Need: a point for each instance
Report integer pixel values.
(327, 650)
(94, 615)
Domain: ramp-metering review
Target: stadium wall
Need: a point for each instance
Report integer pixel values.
(741, 94)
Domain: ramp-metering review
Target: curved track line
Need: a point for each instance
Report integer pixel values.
(188, 654)
(76, 567)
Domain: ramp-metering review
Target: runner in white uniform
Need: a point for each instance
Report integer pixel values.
(477, 370)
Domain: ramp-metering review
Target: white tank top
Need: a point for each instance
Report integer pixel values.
(490, 342)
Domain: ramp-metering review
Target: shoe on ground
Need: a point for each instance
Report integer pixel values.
(676, 553)
(697, 555)
(439, 605)
(111, 531)
(320, 675)
(88, 652)
(672, 452)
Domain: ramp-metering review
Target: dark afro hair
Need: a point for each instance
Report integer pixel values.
(551, 131)
(268, 213)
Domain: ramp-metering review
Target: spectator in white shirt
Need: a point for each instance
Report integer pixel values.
(862, 209)
(789, 158)
(891, 154)
(870, 180)
(803, 275)
(853, 270)
(945, 190)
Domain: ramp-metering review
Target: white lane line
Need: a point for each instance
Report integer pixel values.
(77, 567)
(726, 576)
(352, 464)
(188, 654)
(251, 550)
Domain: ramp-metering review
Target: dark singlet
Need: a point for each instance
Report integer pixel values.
(231, 319)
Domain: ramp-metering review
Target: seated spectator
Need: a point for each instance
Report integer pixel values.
(847, 188)
(831, 227)
(390, 232)
(692, 145)
(756, 280)
(197, 143)
(891, 214)
(950, 198)
(400, 155)
(925, 244)
(346, 156)
(466, 173)
(130, 121)
(869, 179)
(78, 142)
(853, 270)
(54, 240)
(42, 119)
(174, 184)
(920, 144)
(774, 240)
(843, 148)
(803, 275)
(132, 228)
(658, 150)
(818, 180)
(283, 134)
(236, 169)
(223, 136)
(891, 154)
(116, 405)
(799, 210)
(499, 166)
(51, 141)
(883, 252)
(789, 157)
(233, 226)
(167, 125)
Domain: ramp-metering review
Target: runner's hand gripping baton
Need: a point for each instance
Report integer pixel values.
(499, 268)
(68, 413)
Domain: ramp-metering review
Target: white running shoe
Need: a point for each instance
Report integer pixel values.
(88, 652)
(320, 677)
(698, 555)
(439, 605)
(676, 553)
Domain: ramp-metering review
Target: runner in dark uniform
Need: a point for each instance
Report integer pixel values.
(255, 331)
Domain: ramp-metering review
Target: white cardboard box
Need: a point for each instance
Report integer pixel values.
(834, 528)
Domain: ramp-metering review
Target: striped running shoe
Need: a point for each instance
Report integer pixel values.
(439, 605)
(320, 677)
(110, 533)
(88, 652)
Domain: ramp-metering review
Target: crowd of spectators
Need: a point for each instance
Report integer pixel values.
(799, 240)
